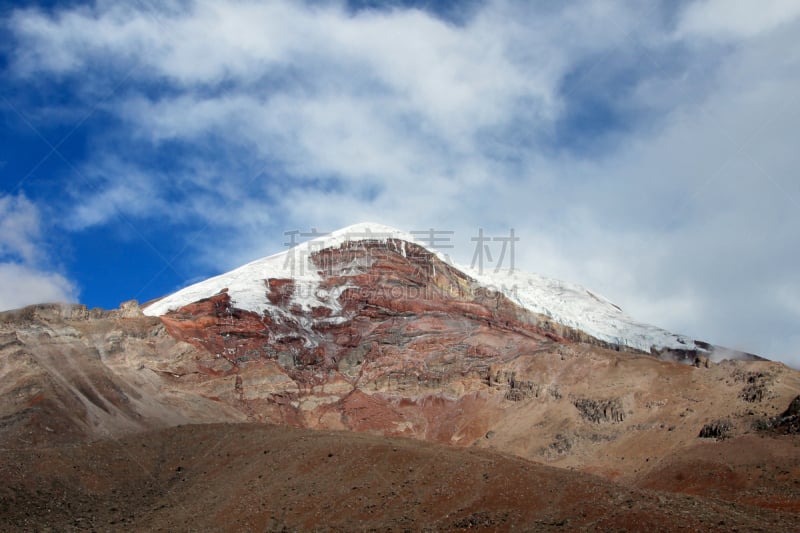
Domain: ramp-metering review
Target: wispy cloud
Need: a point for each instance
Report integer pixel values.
(20, 228)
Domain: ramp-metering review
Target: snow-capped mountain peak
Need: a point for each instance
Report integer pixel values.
(565, 303)
(246, 284)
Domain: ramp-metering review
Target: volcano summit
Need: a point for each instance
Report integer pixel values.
(374, 257)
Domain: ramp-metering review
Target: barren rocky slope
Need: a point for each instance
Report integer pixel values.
(385, 338)
(69, 375)
(266, 478)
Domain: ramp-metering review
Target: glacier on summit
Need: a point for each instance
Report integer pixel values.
(565, 303)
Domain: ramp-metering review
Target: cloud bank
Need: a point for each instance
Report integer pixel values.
(644, 150)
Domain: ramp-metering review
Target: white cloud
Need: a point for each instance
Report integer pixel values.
(22, 252)
(737, 18)
(298, 115)
(21, 286)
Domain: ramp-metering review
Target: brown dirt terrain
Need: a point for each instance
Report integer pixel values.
(256, 477)
(751, 470)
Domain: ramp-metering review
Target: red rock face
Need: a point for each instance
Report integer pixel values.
(213, 324)
(414, 345)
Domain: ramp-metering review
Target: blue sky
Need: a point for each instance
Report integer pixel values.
(646, 150)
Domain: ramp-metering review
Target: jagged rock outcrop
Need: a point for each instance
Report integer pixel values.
(608, 410)
(788, 422)
(793, 409)
(718, 429)
(756, 386)
(518, 389)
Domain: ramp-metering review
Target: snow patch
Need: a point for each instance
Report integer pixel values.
(574, 306)
(248, 285)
